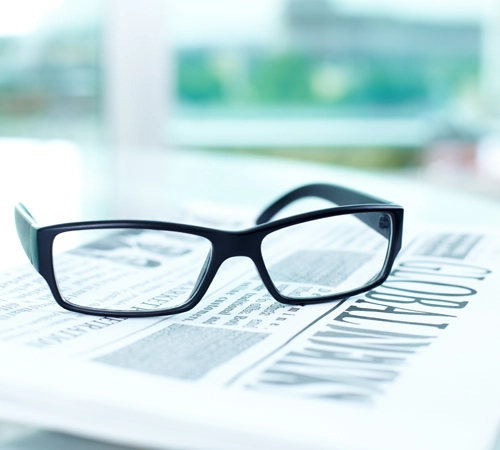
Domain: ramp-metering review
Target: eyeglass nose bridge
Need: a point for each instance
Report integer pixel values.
(227, 245)
(239, 243)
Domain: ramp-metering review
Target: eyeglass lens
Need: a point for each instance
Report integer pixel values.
(128, 269)
(328, 256)
(135, 270)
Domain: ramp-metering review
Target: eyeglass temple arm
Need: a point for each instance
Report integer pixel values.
(26, 227)
(339, 195)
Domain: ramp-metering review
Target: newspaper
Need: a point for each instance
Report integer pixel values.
(413, 363)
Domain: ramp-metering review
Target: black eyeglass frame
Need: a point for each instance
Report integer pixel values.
(37, 242)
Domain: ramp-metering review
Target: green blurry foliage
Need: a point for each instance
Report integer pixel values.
(197, 79)
(289, 79)
(283, 79)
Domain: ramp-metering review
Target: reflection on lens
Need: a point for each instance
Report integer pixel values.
(128, 269)
(328, 256)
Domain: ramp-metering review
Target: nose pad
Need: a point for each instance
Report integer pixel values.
(203, 271)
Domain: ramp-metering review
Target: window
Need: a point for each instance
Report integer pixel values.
(300, 77)
(50, 69)
(312, 74)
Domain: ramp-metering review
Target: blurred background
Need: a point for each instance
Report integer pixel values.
(409, 86)
(106, 99)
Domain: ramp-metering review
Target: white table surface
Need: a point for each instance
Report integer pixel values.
(59, 183)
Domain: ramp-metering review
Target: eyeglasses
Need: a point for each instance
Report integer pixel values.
(148, 268)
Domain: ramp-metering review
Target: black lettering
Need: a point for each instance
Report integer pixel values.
(310, 353)
(349, 313)
(441, 268)
(433, 288)
(400, 298)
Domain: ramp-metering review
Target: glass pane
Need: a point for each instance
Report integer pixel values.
(280, 75)
(50, 69)
(128, 269)
(328, 256)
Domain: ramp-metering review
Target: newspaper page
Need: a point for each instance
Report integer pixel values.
(249, 371)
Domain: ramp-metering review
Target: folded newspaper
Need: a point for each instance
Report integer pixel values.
(412, 364)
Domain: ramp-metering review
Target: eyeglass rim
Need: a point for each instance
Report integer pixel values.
(46, 236)
(39, 250)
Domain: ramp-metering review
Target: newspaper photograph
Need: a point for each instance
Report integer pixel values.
(349, 355)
